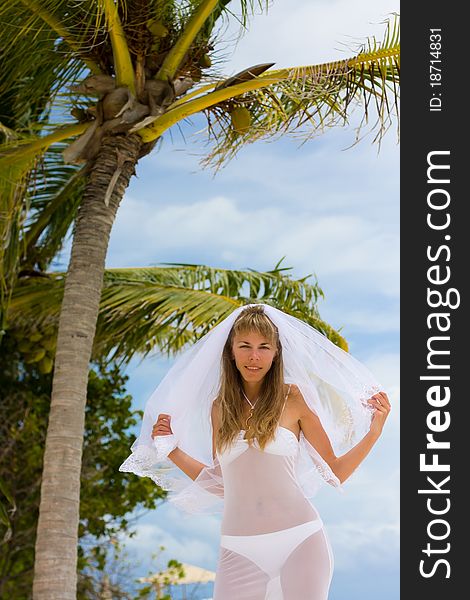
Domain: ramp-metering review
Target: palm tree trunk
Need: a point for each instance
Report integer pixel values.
(55, 575)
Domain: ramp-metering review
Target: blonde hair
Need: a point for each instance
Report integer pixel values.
(230, 400)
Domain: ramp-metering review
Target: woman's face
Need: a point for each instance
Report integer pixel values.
(253, 354)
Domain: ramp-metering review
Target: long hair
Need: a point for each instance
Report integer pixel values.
(230, 400)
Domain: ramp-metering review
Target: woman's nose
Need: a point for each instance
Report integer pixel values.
(254, 355)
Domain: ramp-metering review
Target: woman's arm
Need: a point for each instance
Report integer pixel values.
(189, 465)
(343, 466)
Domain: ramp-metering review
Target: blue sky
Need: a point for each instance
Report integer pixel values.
(331, 211)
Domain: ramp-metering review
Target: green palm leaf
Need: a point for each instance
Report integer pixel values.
(164, 309)
(53, 203)
(302, 101)
(39, 197)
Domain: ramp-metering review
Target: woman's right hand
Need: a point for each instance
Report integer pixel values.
(162, 426)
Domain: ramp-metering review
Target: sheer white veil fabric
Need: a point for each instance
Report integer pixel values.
(334, 384)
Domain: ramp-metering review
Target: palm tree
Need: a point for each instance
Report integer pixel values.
(148, 63)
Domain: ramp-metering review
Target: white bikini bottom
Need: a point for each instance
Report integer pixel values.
(268, 554)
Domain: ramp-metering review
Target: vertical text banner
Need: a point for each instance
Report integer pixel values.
(435, 257)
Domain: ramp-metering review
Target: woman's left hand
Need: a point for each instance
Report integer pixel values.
(382, 406)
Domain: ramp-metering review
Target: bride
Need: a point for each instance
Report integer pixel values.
(284, 395)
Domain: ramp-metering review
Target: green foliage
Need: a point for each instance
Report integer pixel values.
(7, 508)
(113, 577)
(107, 496)
(164, 309)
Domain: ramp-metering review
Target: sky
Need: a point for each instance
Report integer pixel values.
(332, 211)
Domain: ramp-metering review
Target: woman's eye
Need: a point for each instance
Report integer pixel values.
(248, 347)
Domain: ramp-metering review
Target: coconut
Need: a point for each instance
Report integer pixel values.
(241, 119)
(157, 28)
(35, 356)
(25, 346)
(45, 365)
(205, 61)
(49, 343)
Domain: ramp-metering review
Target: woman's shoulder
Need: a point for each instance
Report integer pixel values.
(215, 413)
(292, 391)
(295, 399)
(215, 408)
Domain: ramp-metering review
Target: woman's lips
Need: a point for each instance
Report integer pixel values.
(253, 368)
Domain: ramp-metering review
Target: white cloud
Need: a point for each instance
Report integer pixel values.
(307, 32)
(339, 244)
(363, 523)
(359, 545)
(386, 366)
(322, 175)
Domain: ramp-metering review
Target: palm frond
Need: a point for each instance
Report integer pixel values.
(227, 9)
(53, 205)
(303, 101)
(22, 174)
(37, 61)
(18, 160)
(193, 26)
(48, 12)
(198, 26)
(124, 69)
(163, 309)
(311, 99)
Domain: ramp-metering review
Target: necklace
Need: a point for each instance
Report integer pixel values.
(251, 409)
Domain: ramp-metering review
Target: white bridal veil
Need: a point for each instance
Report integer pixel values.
(333, 383)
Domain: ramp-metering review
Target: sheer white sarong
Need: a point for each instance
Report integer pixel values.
(273, 543)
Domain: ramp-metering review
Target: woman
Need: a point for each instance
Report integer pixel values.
(269, 414)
